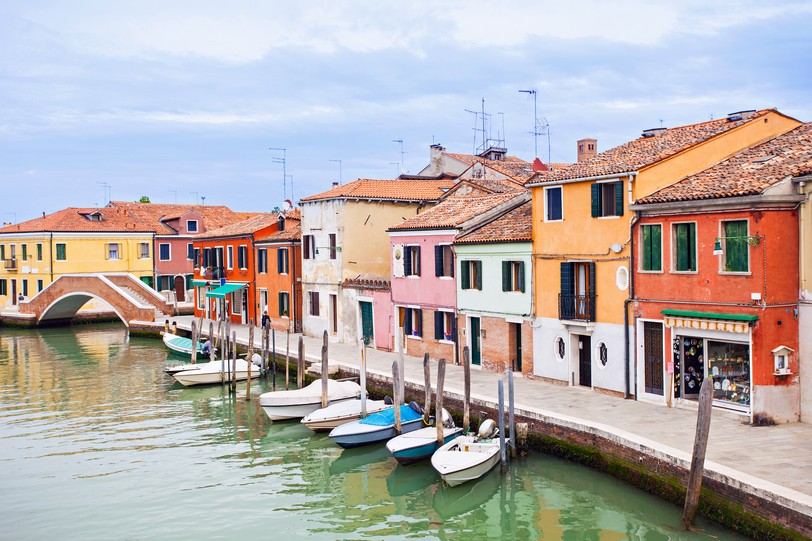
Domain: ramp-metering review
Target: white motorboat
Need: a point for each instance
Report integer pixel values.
(182, 346)
(326, 419)
(297, 403)
(466, 458)
(419, 444)
(216, 372)
(377, 427)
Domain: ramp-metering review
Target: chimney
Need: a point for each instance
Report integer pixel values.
(435, 160)
(335, 184)
(43, 214)
(587, 148)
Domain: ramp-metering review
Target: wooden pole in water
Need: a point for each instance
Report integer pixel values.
(466, 407)
(502, 454)
(273, 357)
(212, 341)
(219, 335)
(396, 394)
(249, 358)
(324, 389)
(194, 342)
(287, 359)
(233, 362)
(402, 371)
(363, 378)
(438, 420)
(300, 362)
(511, 418)
(267, 362)
(703, 420)
(427, 400)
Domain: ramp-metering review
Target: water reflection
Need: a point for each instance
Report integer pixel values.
(96, 442)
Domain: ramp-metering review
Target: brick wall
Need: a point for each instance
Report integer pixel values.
(499, 344)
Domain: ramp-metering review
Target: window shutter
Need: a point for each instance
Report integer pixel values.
(592, 300)
(417, 260)
(479, 275)
(465, 275)
(280, 264)
(107, 251)
(656, 248)
(407, 321)
(506, 276)
(619, 198)
(407, 260)
(454, 327)
(438, 260)
(567, 285)
(306, 247)
(521, 276)
(438, 325)
(596, 200)
(419, 316)
(279, 302)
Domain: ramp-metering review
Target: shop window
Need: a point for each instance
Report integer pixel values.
(513, 276)
(164, 252)
(443, 260)
(444, 325)
(737, 256)
(411, 261)
(236, 302)
(471, 274)
(553, 204)
(607, 199)
(651, 251)
(683, 240)
(729, 365)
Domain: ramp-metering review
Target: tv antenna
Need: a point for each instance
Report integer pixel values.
(203, 199)
(283, 161)
(400, 170)
(291, 186)
(339, 171)
(397, 164)
(107, 191)
(539, 128)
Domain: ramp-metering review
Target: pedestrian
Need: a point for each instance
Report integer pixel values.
(174, 327)
(21, 298)
(266, 319)
(166, 326)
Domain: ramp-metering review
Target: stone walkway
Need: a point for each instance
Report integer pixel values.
(777, 459)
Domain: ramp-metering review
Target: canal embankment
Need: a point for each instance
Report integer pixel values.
(757, 480)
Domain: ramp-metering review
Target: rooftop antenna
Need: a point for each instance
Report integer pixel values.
(545, 128)
(176, 195)
(535, 131)
(339, 171)
(203, 199)
(283, 161)
(477, 114)
(291, 185)
(400, 171)
(107, 191)
(502, 138)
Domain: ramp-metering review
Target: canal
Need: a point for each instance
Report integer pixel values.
(98, 443)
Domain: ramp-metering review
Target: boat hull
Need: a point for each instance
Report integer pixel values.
(465, 459)
(297, 411)
(358, 434)
(213, 372)
(420, 444)
(296, 403)
(326, 419)
(181, 346)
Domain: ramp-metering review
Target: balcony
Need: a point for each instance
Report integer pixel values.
(10, 264)
(573, 307)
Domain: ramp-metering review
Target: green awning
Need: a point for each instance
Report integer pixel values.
(709, 315)
(199, 283)
(222, 291)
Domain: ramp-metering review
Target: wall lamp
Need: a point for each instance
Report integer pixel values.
(750, 240)
(336, 248)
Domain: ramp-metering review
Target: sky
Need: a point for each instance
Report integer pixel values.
(190, 101)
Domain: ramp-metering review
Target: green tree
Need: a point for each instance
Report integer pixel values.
(144, 199)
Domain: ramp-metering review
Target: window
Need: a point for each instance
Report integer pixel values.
(230, 257)
(25, 287)
(190, 251)
(39, 251)
(411, 260)
(471, 274)
(607, 199)
(651, 247)
(164, 252)
(284, 304)
(282, 261)
(333, 245)
(242, 257)
(207, 257)
(736, 254)
(196, 257)
(513, 276)
(218, 258)
(444, 325)
(40, 285)
(560, 348)
(443, 260)
(191, 226)
(236, 302)
(262, 260)
(166, 282)
(413, 322)
(143, 250)
(24, 252)
(113, 250)
(308, 246)
(2, 251)
(313, 301)
(3, 286)
(603, 354)
(684, 243)
(553, 206)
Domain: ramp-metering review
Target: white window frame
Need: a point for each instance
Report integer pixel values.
(547, 210)
(169, 251)
(111, 251)
(189, 229)
(229, 257)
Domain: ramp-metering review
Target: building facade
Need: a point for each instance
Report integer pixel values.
(278, 275)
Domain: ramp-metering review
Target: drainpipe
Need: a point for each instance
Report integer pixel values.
(51, 252)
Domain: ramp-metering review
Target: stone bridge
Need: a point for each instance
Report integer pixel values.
(131, 299)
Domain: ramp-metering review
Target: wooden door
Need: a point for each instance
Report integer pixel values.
(585, 360)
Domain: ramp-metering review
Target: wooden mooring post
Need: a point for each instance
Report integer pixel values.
(273, 358)
(363, 378)
(438, 420)
(233, 362)
(287, 359)
(466, 405)
(703, 420)
(249, 358)
(396, 394)
(300, 363)
(427, 399)
(511, 417)
(324, 363)
(194, 342)
(502, 453)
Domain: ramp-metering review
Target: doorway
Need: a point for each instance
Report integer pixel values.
(476, 341)
(653, 358)
(13, 289)
(333, 314)
(585, 360)
(515, 345)
(180, 288)
(582, 291)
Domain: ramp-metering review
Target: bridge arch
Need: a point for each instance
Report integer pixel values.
(67, 306)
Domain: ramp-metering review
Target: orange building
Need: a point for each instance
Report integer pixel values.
(278, 276)
(715, 283)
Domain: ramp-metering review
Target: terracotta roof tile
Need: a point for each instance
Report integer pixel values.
(397, 190)
(292, 232)
(513, 226)
(246, 227)
(453, 212)
(77, 220)
(216, 216)
(749, 172)
(510, 166)
(643, 151)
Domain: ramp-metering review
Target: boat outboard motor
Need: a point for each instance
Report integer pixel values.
(488, 429)
(206, 348)
(256, 359)
(448, 420)
(416, 407)
(388, 400)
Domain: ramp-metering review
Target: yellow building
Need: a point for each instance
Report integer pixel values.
(74, 240)
(582, 248)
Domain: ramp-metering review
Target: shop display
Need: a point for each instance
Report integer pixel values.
(729, 365)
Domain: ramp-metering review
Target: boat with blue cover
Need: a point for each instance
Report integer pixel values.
(182, 346)
(420, 444)
(378, 426)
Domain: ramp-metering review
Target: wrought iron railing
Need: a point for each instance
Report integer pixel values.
(576, 307)
(10, 264)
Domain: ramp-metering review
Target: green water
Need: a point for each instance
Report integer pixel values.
(98, 443)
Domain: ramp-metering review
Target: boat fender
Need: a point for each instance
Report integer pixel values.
(416, 407)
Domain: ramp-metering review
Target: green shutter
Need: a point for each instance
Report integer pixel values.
(479, 275)
(521, 276)
(736, 248)
(619, 198)
(596, 200)
(279, 302)
(657, 247)
(506, 276)
(465, 275)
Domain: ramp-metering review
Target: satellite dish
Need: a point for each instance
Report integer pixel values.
(287, 205)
